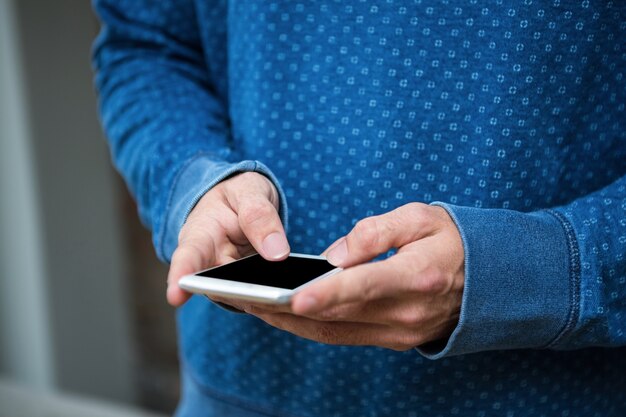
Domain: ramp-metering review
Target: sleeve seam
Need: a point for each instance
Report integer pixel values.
(574, 275)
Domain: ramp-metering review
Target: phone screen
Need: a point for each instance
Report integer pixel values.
(289, 273)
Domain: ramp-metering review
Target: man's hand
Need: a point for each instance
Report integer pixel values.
(235, 218)
(409, 299)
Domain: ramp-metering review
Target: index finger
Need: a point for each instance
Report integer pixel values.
(187, 259)
(364, 282)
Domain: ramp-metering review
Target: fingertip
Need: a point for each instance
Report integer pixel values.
(176, 297)
(275, 247)
(332, 246)
(338, 254)
(305, 304)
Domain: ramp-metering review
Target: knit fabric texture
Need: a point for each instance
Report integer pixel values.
(510, 115)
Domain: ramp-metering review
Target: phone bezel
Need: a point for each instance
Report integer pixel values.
(243, 290)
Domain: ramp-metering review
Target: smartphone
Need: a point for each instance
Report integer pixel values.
(255, 279)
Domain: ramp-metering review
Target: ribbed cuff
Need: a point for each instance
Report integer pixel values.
(518, 288)
(198, 177)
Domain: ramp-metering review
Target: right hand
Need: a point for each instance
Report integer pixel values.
(235, 218)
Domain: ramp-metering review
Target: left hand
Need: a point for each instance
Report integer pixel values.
(409, 299)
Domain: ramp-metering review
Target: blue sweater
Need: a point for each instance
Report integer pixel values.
(509, 114)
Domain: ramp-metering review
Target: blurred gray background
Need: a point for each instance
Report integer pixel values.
(84, 327)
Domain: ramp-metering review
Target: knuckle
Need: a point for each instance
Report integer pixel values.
(256, 213)
(392, 224)
(208, 201)
(188, 243)
(194, 252)
(370, 285)
(182, 253)
(408, 318)
(416, 214)
(413, 210)
(233, 184)
(366, 233)
(246, 182)
(198, 230)
(432, 281)
(185, 239)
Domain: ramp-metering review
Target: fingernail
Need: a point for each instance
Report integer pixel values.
(306, 304)
(275, 246)
(338, 254)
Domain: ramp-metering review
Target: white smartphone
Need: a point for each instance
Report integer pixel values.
(255, 279)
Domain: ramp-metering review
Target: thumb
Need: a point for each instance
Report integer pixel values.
(259, 220)
(187, 259)
(375, 235)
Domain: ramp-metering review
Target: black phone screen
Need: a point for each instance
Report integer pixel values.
(289, 273)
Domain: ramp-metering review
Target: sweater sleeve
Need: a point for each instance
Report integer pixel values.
(553, 278)
(161, 113)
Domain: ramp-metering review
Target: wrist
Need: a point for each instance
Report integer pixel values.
(516, 291)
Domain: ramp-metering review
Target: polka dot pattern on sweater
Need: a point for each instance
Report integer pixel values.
(358, 108)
